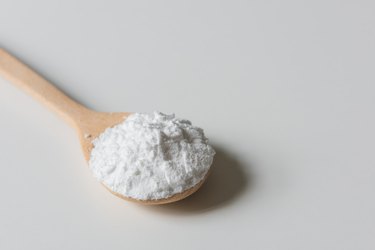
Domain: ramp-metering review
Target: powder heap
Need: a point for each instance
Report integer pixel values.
(151, 156)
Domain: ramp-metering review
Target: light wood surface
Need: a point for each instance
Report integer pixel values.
(88, 123)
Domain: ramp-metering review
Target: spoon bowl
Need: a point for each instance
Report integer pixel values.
(92, 124)
(88, 123)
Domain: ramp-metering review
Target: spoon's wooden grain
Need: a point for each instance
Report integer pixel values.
(88, 123)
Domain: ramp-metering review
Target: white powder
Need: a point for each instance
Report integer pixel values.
(151, 156)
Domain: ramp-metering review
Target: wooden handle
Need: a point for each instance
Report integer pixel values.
(21, 75)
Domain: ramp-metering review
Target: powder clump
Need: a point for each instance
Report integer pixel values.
(151, 156)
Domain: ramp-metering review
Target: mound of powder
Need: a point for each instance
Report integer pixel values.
(151, 156)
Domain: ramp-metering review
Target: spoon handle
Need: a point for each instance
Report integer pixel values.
(21, 75)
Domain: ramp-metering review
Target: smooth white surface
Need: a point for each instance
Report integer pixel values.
(297, 172)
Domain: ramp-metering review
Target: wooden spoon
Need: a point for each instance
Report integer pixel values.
(88, 123)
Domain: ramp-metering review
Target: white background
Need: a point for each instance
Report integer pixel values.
(285, 90)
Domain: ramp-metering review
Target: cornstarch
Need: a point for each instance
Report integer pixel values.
(151, 156)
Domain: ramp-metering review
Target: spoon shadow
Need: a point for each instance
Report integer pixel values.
(226, 183)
